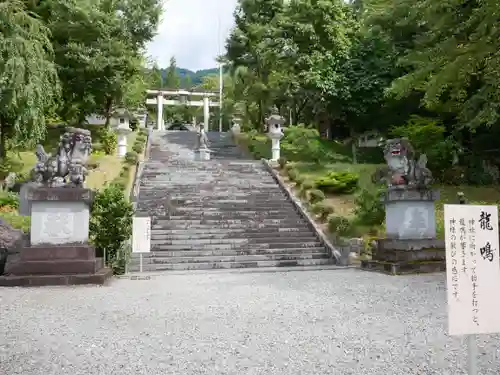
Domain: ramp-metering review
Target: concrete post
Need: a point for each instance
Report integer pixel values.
(206, 112)
(159, 113)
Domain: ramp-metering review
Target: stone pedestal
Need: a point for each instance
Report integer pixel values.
(398, 257)
(410, 245)
(410, 213)
(275, 148)
(203, 154)
(122, 141)
(58, 252)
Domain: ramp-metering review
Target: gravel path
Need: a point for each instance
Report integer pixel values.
(315, 322)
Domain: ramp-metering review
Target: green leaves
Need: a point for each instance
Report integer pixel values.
(28, 77)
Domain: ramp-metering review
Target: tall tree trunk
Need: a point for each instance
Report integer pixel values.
(109, 104)
(3, 138)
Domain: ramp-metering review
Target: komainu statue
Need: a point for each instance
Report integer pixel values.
(66, 166)
(403, 170)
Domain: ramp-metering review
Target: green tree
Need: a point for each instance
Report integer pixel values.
(172, 79)
(28, 76)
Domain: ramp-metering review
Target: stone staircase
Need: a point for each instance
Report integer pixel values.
(228, 212)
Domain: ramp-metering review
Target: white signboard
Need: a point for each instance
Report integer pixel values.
(141, 235)
(472, 269)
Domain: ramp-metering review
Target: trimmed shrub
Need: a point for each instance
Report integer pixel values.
(316, 196)
(305, 187)
(338, 182)
(369, 209)
(131, 158)
(111, 225)
(282, 162)
(292, 174)
(138, 147)
(322, 209)
(339, 225)
(109, 141)
(299, 180)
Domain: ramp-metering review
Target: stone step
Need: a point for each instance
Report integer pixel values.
(232, 217)
(233, 265)
(236, 258)
(282, 207)
(234, 241)
(231, 252)
(228, 223)
(244, 231)
(275, 245)
(165, 236)
(245, 226)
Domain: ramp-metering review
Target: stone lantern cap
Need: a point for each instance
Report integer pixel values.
(122, 112)
(274, 125)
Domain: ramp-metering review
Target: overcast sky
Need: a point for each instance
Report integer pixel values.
(189, 31)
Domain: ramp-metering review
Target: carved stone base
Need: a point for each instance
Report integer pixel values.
(99, 278)
(54, 265)
(403, 268)
(397, 257)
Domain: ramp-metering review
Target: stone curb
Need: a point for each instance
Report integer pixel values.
(340, 258)
(134, 192)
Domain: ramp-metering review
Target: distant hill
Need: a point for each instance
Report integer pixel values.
(196, 77)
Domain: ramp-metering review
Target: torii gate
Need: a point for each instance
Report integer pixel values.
(185, 99)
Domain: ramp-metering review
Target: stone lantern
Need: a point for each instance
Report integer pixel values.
(274, 125)
(121, 121)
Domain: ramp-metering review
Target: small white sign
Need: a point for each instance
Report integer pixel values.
(472, 269)
(141, 235)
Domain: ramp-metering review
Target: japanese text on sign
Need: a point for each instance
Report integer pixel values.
(472, 268)
(141, 235)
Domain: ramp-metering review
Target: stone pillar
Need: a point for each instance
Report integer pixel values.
(159, 112)
(206, 112)
(123, 133)
(275, 148)
(58, 252)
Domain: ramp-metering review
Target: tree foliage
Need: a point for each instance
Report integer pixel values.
(28, 76)
(350, 67)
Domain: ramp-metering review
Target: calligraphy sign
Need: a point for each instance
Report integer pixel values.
(472, 269)
(141, 235)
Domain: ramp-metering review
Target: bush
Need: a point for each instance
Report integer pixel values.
(143, 131)
(131, 158)
(18, 222)
(282, 163)
(299, 180)
(339, 225)
(428, 136)
(111, 225)
(322, 209)
(9, 164)
(316, 196)
(306, 186)
(369, 209)
(109, 141)
(338, 182)
(138, 147)
(9, 200)
(292, 174)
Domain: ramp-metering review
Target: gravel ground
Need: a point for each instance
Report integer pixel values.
(314, 322)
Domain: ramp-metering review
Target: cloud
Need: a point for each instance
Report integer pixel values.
(189, 31)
